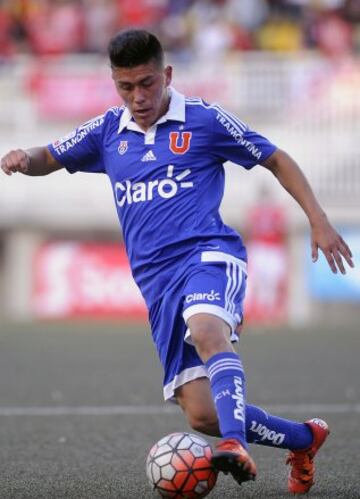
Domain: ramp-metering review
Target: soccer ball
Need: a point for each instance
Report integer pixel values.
(179, 466)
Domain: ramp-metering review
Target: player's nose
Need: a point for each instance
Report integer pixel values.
(139, 96)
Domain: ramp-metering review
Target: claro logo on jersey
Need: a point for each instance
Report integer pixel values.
(139, 192)
(212, 296)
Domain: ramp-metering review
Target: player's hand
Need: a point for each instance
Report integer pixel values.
(15, 161)
(335, 249)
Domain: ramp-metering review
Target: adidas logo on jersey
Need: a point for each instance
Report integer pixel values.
(149, 156)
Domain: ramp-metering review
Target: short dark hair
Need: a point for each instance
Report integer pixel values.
(133, 47)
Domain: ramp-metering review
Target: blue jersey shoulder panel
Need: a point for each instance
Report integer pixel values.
(81, 149)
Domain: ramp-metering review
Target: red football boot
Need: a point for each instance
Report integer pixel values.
(301, 475)
(231, 457)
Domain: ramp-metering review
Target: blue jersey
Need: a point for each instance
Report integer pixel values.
(168, 182)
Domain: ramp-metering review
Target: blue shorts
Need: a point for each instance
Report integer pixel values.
(214, 283)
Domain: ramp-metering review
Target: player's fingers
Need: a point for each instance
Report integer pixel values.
(6, 170)
(15, 161)
(331, 261)
(6, 166)
(343, 243)
(314, 251)
(346, 253)
(22, 160)
(339, 262)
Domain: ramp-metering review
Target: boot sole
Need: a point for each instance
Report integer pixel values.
(228, 462)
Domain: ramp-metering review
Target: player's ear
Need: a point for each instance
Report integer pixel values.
(168, 75)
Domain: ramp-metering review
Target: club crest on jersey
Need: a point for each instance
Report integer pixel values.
(179, 142)
(123, 147)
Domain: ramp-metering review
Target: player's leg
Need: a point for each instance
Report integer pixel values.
(179, 359)
(213, 298)
(210, 335)
(302, 439)
(262, 428)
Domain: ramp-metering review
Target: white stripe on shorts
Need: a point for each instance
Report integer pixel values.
(219, 256)
(235, 283)
(234, 273)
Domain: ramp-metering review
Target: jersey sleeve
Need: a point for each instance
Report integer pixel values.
(81, 150)
(234, 141)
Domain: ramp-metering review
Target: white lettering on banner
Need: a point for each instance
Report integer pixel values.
(212, 296)
(266, 434)
(239, 412)
(128, 193)
(65, 143)
(238, 136)
(81, 280)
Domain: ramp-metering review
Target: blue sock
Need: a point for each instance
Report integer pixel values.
(227, 381)
(264, 429)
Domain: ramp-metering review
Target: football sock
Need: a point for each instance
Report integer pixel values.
(227, 381)
(264, 429)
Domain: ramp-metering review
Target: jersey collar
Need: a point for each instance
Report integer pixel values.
(176, 112)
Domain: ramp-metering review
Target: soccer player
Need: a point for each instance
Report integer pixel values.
(164, 155)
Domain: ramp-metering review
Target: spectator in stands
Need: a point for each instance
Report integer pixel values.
(7, 46)
(100, 19)
(56, 27)
(143, 13)
(281, 33)
(188, 27)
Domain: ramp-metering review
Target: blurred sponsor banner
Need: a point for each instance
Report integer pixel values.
(71, 95)
(82, 280)
(73, 279)
(326, 286)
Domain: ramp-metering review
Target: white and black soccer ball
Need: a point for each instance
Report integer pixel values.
(179, 466)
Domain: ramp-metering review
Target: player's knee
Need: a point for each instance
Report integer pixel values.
(204, 423)
(210, 335)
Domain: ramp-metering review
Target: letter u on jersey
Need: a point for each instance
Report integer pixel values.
(180, 145)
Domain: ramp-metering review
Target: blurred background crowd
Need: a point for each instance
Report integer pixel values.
(188, 28)
(289, 68)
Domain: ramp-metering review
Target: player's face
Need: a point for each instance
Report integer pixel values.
(144, 91)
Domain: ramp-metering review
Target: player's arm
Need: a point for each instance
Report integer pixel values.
(34, 162)
(323, 234)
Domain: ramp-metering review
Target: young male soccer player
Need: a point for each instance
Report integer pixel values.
(164, 155)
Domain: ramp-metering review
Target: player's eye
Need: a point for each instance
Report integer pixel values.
(124, 86)
(147, 83)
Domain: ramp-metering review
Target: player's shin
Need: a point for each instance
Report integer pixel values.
(227, 381)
